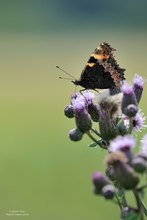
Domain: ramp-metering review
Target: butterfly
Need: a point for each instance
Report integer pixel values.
(101, 70)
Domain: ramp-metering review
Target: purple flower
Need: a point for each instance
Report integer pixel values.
(89, 96)
(139, 121)
(138, 87)
(76, 99)
(144, 146)
(138, 81)
(122, 143)
(129, 102)
(127, 89)
(99, 181)
(79, 99)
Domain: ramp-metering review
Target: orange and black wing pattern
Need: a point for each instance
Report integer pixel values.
(101, 70)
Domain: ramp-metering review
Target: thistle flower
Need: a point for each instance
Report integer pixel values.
(124, 144)
(108, 111)
(138, 87)
(93, 111)
(127, 100)
(82, 118)
(69, 111)
(77, 98)
(143, 150)
(88, 96)
(139, 121)
(108, 191)
(124, 173)
(99, 180)
(75, 134)
(139, 164)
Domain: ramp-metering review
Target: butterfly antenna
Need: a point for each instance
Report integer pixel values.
(66, 73)
(64, 78)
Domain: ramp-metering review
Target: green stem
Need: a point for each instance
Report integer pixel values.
(130, 125)
(121, 195)
(91, 137)
(139, 204)
(118, 201)
(142, 187)
(95, 131)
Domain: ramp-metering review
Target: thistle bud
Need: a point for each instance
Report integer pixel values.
(123, 172)
(82, 118)
(99, 181)
(131, 110)
(106, 125)
(69, 111)
(129, 213)
(94, 112)
(83, 121)
(139, 164)
(138, 87)
(75, 135)
(110, 173)
(128, 99)
(108, 191)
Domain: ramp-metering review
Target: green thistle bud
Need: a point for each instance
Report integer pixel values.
(75, 134)
(129, 99)
(139, 164)
(131, 110)
(69, 111)
(108, 191)
(129, 179)
(94, 112)
(99, 180)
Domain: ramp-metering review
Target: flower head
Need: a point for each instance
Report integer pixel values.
(139, 121)
(77, 101)
(129, 102)
(75, 134)
(127, 89)
(88, 96)
(122, 143)
(99, 181)
(138, 81)
(143, 150)
(138, 87)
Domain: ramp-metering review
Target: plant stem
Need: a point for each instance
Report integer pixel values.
(119, 203)
(139, 204)
(95, 131)
(91, 137)
(130, 125)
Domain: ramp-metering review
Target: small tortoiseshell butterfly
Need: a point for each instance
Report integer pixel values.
(101, 70)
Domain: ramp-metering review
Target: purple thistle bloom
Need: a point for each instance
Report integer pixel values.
(144, 146)
(138, 81)
(138, 87)
(129, 99)
(127, 89)
(85, 98)
(77, 98)
(89, 96)
(139, 121)
(99, 181)
(122, 143)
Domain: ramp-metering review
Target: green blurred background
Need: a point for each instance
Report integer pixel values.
(42, 173)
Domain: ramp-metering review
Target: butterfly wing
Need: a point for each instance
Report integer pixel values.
(94, 76)
(101, 70)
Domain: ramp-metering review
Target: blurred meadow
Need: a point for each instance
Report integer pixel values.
(43, 174)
